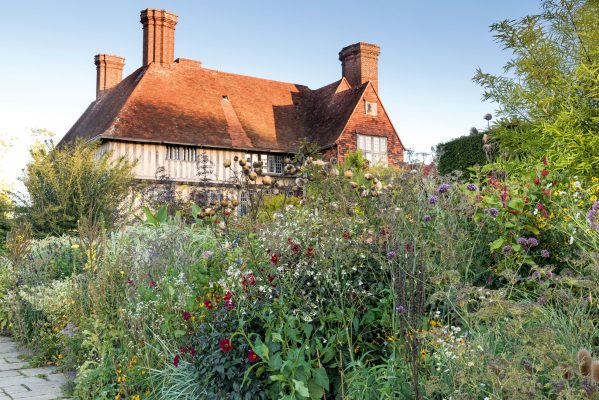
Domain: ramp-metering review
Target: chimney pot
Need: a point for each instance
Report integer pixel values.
(158, 36)
(360, 63)
(109, 70)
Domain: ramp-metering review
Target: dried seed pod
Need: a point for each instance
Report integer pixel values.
(242, 162)
(257, 164)
(202, 214)
(224, 202)
(353, 184)
(368, 177)
(235, 202)
(275, 191)
(287, 160)
(295, 188)
(584, 362)
(595, 371)
(267, 180)
(227, 163)
(235, 158)
(308, 160)
(378, 185)
(320, 163)
(208, 211)
(334, 172)
(348, 174)
(278, 184)
(364, 193)
(293, 171)
(259, 171)
(252, 176)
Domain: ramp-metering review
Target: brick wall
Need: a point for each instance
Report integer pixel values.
(379, 125)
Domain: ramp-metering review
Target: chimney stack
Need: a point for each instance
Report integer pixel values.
(360, 64)
(159, 36)
(109, 72)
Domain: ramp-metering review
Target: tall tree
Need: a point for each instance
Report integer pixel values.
(549, 93)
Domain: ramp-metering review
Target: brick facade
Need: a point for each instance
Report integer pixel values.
(379, 125)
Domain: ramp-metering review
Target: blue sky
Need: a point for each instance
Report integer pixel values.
(429, 51)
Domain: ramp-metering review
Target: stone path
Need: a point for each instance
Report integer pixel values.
(19, 382)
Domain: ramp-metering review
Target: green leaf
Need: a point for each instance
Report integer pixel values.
(300, 388)
(516, 204)
(179, 333)
(496, 244)
(316, 391)
(308, 329)
(277, 378)
(162, 214)
(171, 290)
(321, 378)
(275, 362)
(276, 337)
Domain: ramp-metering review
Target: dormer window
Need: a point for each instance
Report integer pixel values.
(371, 108)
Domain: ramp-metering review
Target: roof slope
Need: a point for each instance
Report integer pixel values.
(188, 104)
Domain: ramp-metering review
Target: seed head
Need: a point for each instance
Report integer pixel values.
(584, 362)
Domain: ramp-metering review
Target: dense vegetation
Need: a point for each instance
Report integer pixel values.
(461, 153)
(379, 284)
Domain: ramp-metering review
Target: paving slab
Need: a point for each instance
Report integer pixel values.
(17, 381)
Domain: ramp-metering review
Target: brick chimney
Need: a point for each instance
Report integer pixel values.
(109, 72)
(360, 63)
(159, 36)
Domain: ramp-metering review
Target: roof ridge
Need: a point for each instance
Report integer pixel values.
(256, 77)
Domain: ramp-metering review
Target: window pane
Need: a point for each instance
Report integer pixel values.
(361, 142)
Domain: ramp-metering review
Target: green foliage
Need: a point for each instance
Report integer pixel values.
(5, 210)
(551, 87)
(460, 154)
(74, 182)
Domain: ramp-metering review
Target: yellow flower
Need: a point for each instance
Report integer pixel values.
(122, 273)
(74, 246)
(136, 397)
(593, 198)
(433, 323)
(595, 179)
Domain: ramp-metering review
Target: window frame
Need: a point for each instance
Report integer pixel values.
(375, 148)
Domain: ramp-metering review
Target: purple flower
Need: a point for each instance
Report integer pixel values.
(533, 242)
(207, 254)
(550, 274)
(536, 275)
(493, 212)
(472, 187)
(545, 253)
(427, 218)
(391, 254)
(507, 249)
(400, 309)
(444, 188)
(522, 241)
(433, 200)
(593, 216)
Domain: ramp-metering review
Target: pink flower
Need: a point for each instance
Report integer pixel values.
(248, 280)
(229, 305)
(152, 283)
(208, 304)
(186, 316)
(176, 360)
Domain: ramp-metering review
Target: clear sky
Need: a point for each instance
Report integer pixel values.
(429, 51)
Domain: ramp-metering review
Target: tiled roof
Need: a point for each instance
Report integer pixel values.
(187, 104)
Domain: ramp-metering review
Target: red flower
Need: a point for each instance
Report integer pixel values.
(271, 279)
(182, 349)
(130, 282)
(229, 305)
(248, 280)
(192, 351)
(385, 231)
(208, 304)
(226, 345)
(253, 357)
(310, 252)
(537, 181)
(296, 248)
(176, 361)
(274, 258)
(346, 235)
(544, 173)
(152, 284)
(186, 316)
(228, 296)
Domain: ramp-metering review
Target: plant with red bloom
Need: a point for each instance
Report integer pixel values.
(310, 252)
(152, 283)
(346, 235)
(182, 349)
(229, 305)
(544, 173)
(385, 231)
(537, 180)
(226, 345)
(208, 304)
(130, 282)
(253, 357)
(176, 360)
(274, 258)
(296, 248)
(248, 280)
(228, 296)
(186, 316)
(271, 279)
(192, 351)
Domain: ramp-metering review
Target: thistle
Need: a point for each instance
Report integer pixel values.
(584, 362)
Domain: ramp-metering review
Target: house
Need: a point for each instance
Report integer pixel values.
(171, 113)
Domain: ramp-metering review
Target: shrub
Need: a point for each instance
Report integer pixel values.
(460, 154)
(70, 183)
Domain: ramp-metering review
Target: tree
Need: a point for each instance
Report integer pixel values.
(461, 153)
(549, 95)
(73, 182)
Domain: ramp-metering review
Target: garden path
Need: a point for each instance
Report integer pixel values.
(19, 382)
